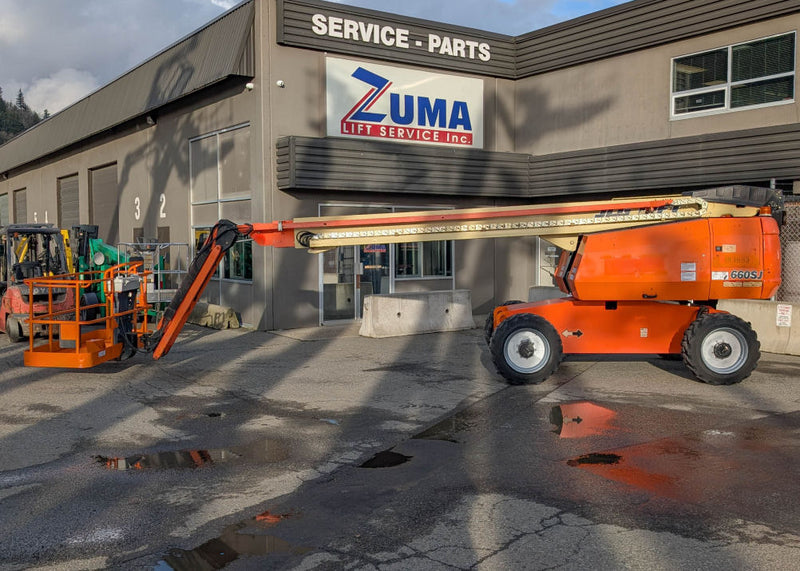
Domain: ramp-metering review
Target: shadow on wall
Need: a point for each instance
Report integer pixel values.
(531, 104)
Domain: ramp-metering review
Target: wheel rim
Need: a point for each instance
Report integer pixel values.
(724, 351)
(526, 351)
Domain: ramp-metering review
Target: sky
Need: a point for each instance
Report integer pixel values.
(59, 51)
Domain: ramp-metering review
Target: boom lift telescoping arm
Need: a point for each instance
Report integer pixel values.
(561, 224)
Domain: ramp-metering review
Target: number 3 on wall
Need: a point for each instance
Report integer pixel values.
(162, 210)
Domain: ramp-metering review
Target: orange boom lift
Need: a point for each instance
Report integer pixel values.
(640, 275)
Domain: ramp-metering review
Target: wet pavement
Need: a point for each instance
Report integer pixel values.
(317, 449)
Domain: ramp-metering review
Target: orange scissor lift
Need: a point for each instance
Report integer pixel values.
(89, 333)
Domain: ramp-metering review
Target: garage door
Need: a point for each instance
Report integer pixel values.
(68, 202)
(104, 213)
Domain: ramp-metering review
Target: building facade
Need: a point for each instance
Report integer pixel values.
(290, 108)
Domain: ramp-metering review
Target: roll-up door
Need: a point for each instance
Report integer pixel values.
(4, 212)
(68, 212)
(20, 206)
(103, 192)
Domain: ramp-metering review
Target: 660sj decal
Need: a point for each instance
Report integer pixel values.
(738, 275)
(376, 101)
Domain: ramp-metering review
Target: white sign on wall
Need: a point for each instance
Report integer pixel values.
(370, 101)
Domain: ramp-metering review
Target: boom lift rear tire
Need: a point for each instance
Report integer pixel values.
(488, 325)
(526, 349)
(720, 348)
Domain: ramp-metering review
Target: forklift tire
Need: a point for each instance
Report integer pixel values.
(488, 326)
(526, 349)
(720, 349)
(13, 330)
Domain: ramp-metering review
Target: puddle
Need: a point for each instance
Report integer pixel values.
(244, 538)
(581, 419)
(261, 451)
(386, 459)
(595, 458)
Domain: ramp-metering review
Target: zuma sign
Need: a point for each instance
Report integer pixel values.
(370, 101)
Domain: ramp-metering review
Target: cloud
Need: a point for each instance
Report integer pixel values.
(511, 17)
(225, 4)
(59, 90)
(11, 28)
(45, 43)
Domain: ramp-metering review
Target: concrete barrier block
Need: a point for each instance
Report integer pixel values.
(398, 314)
(214, 316)
(776, 323)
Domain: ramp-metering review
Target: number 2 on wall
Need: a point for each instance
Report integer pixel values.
(162, 198)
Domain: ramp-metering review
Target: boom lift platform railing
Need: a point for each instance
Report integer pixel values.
(90, 333)
(689, 263)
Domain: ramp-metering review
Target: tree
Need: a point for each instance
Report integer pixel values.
(15, 117)
(21, 101)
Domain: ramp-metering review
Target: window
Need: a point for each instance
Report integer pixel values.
(220, 188)
(745, 75)
(424, 259)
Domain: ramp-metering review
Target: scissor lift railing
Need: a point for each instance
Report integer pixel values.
(90, 333)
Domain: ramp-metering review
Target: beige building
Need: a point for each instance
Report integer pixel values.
(287, 108)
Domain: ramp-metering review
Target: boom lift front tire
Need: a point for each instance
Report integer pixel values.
(720, 348)
(488, 326)
(526, 349)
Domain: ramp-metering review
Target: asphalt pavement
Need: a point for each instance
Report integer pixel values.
(319, 449)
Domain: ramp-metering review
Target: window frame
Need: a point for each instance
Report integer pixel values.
(449, 257)
(219, 201)
(727, 87)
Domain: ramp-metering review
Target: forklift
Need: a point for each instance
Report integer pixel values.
(30, 251)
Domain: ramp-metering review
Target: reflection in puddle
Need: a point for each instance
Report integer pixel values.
(261, 451)
(243, 538)
(581, 419)
(386, 459)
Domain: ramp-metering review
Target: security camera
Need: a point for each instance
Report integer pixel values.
(249, 85)
(280, 83)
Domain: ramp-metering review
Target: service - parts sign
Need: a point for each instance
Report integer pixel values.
(370, 101)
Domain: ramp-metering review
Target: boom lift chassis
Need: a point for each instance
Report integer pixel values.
(642, 276)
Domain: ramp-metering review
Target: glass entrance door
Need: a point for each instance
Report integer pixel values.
(338, 284)
(374, 273)
(349, 273)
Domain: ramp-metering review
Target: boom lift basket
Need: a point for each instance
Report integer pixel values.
(91, 332)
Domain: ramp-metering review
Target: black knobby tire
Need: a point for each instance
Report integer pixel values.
(526, 349)
(720, 349)
(488, 325)
(13, 330)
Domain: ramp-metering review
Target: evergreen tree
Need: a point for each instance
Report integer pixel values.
(15, 117)
(21, 101)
